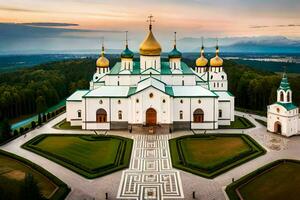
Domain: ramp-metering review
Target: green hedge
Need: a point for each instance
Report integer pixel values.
(121, 161)
(231, 189)
(63, 189)
(178, 158)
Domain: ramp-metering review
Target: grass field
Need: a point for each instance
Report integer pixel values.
(210, 152)
(66, 126)
(12, 173)
(211, 155)
(239, 123)
(279, 180)
(88, 155)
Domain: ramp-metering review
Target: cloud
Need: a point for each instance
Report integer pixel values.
(3, 8)
(49, 24)
(282, 25)
(259, 26)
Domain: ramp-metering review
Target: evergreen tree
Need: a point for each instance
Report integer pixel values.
(40, 104)
(5, 129)
(39, 119)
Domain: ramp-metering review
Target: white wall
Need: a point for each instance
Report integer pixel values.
(149, 62)
(72, 108)
(288, 119)
(138, 110)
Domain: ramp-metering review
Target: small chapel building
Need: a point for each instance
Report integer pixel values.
(283, 116)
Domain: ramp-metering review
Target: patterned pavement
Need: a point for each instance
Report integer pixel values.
(150, 174)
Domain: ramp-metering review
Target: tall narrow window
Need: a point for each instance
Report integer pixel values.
(288, 96)
(118, 82)
(79, 113)
(181, 114)
(220, 113)
(182, 82)
(281, 96)
(120, 115)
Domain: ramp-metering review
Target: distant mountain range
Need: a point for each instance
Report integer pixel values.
(262, 44)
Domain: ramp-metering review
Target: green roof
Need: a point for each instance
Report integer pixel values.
(284, 84)
(165, 69)
(287, 106)
(169, 90)
(131, 91)
(127, 53)
(175, 53)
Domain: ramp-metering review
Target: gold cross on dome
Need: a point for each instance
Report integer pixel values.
(150, 20)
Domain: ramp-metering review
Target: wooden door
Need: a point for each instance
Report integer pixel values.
(151, 117)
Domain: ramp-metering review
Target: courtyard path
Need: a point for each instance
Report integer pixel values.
(150, 174)
(150, 160)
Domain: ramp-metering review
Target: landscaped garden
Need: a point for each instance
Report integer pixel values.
(212, 154)
(22, 179)
(88, 155)
(278, 180)
(239, 123)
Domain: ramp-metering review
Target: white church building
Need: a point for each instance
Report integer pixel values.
(283, 116)
(152, 92)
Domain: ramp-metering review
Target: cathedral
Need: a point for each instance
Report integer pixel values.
(152, 91)
(283, 116)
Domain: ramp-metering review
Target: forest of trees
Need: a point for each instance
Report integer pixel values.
(32, 90)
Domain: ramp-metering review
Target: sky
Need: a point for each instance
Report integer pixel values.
(80, 24)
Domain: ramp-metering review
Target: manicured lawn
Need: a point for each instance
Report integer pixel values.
(13, 170)
(213, 154)
(279, 180)
(239, 123)
(89, 155)
(66, 126)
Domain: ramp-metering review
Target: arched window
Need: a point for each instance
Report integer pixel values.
(101, 116)
(182, 82)
(79, 113)
(198, 116)
(220, 113)
(119, 101)
(120, 115)
(281, 96)
(181, 114)
(222, 77)
(118, 82)
(288, 97)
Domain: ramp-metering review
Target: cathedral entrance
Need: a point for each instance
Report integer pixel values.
(150, 117)
(277, 127)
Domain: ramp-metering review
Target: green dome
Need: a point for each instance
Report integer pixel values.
(175, 53)
(284, 84)
(127, 53)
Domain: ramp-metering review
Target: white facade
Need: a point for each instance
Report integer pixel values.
(152, 92)
(283, 116)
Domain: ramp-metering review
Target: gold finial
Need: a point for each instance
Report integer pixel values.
(150, 20)
(126, 39)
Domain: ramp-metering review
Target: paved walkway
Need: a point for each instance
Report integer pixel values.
(115, 183)
(150, 174)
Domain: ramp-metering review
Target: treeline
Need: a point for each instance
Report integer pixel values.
(32, 90)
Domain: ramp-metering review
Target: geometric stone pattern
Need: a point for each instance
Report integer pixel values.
(150, 174)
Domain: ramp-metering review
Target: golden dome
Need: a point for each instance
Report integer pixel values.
(201, 61)
(150, 46)
(216, 61)
(102, 62)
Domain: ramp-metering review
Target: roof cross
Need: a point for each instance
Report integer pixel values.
(150, 20)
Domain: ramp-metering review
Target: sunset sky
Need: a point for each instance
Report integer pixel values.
(97, 18)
